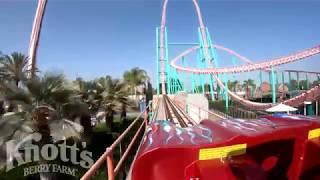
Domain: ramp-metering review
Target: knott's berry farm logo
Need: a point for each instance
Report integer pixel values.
(27, 152)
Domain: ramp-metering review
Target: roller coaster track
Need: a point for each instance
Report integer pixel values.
(250, 66)
(175, 114)
(245, 68)
(35, 35)
(309, 95)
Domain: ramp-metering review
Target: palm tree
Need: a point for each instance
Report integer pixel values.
(135, 77)
(87, 93)
(232, 85)
(14, 67)
(249, 84)
(42, 98)
(39, 101)
(114, 97)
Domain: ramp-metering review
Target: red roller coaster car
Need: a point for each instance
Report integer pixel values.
(271, 147)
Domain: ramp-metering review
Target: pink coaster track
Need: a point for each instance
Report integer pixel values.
(312, 93)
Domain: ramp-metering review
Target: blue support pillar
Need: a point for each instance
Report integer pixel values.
(212, 51)
(226, 92)
(200, 56)
(273, 86)
(175, 82)
(307, 81)
(178, 82)
(260, 78)
(298, 82)
(169, 84)
(157, 59)
(211, 87)
(282, 81)
(184, 75)
(199, 65)
(270, 77)
(277, 80)
(290, 84)
(192, 83)
(234, 64)
(168, 69)
(214, 57)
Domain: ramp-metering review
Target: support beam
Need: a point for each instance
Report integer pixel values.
(277, 80)
(183, 75)
(234, 64)
(226, 92)
(211, 87)
(157, 60)
(213, 55)
(184, 44)
(282, 81)
(270, 78)
(167, 69)
(307, 82)
(200, 58)
(290, 84)
(169, 81)
(199, 65)
(298, 83)
(301, 71)
(260, 77)
(273, 86)
(192, 83)
(317, 107)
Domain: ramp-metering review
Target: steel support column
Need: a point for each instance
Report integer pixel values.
(226, 92)
(157, 56)
(273, 86)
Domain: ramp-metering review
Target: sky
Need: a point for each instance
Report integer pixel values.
(92, 38)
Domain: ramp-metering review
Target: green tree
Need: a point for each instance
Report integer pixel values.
(40, 102)
(87, 92)
(40, 99)
(232, 85)
(248, 85)
(14, 67)
(135, 77)
(114, 95)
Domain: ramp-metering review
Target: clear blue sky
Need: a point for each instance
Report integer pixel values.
(92, 38)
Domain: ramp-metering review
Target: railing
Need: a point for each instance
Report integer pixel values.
(242, 113)
(232, 113)
(200, 110)
(107, 156)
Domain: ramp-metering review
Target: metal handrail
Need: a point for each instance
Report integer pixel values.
(107, 155)
(213, 112)
(128, 149)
